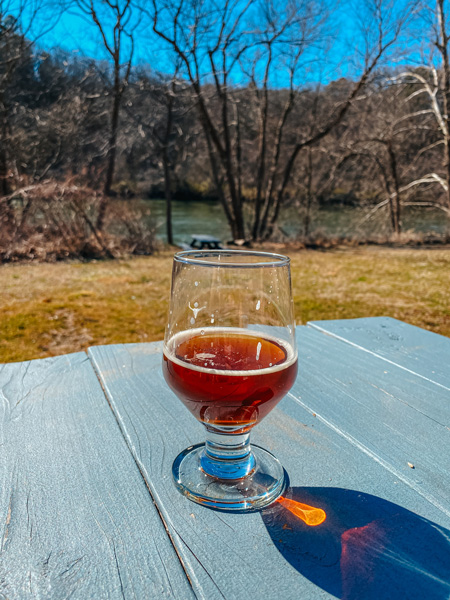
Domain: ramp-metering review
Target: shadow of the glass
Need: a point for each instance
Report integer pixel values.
(366, 548)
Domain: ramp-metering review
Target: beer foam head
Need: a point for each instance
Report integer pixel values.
(229, 351)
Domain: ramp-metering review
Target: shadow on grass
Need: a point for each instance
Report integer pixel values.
(367, 548)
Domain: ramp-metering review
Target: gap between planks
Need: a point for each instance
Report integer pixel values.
(372, 353)
(139, 466)
(352, 440)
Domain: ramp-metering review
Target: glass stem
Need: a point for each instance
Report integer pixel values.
(227, 455)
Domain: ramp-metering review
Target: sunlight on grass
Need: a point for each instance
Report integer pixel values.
(50, 309)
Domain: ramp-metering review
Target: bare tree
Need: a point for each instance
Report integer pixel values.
(21, 26)
(291, 34)
(169, 140)
(116, 22)
(385, 126)
(381, 27)
(224, 37)
(161, 132)
(432, 81)
(412, 127)
(227, 37)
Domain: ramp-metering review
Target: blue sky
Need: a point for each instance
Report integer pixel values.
(339, 53)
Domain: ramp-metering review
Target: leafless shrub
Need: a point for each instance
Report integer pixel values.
(53, 221)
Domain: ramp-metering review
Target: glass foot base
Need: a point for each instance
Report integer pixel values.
(262, 486)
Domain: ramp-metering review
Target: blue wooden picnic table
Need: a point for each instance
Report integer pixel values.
(89, 510)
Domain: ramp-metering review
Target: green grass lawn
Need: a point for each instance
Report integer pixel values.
(49, 309)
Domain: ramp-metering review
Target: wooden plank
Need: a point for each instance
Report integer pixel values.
(417, 350)
(272, 554)
(401, 419)
(378, 541)
(77, 520)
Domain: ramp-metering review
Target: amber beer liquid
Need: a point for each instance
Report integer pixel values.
(229, 378)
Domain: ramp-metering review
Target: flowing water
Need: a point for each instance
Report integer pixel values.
(207, 218)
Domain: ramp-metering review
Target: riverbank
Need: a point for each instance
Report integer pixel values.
(50, 309)
(354, 225)
(51, 221)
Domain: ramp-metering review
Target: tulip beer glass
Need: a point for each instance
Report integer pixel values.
(230, 357)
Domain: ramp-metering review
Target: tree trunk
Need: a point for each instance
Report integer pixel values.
(307, 219)
(5, 188)
(261, 161)
(111, 157)
(443, 49)
(4, 185)
(166, 165)
(230, 171)
(112, 146)
(396, 199)
(239, 228)
(168, 197)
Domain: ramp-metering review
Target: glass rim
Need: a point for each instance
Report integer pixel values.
(205, 258)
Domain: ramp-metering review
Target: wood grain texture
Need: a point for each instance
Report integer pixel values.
(271, 554)
(76, 518)
(422, 352)
(399, 418)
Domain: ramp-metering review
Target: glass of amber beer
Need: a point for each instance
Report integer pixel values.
(230, 357)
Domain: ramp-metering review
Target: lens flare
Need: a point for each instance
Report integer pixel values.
(308, 514)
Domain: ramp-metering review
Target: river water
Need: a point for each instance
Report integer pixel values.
(207, 218)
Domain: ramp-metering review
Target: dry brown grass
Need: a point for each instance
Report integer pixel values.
(407, 284)
(49, 309)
